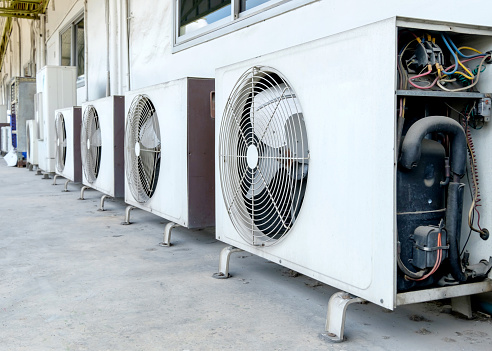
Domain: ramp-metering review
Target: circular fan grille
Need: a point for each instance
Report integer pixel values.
(61, 142)
(91, 144)
(142, 148)
(264, 156)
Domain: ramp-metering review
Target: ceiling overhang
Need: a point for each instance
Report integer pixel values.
(28, 9)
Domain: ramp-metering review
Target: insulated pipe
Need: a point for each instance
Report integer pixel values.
(411, 147)
(20, 47)
(86, 53)
(453, 226)
(42, 48)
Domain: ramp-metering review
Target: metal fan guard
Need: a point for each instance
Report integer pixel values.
(263, 147)
(61, 149)
(90, 151)
(142, 148)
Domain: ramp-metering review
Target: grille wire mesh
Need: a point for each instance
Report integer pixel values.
(264, 156)
(61, 142)
(142, 148)
(91, 144)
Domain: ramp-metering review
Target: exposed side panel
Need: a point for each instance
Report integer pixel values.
(344, 234)
(77, 162)
(201, 189)
(24, 107)
(119, 140)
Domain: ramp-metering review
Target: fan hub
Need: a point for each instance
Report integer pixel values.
(137, 149)
(252, 156)
(88, 144)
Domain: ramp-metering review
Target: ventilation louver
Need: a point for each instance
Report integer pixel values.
(90, 140)
(264, 154)
(142, 148)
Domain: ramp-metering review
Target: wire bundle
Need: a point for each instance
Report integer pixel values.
(440, 76)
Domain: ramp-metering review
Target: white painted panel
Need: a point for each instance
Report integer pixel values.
(105, 178)
(344, 235)
(57, 83)
(170, 198)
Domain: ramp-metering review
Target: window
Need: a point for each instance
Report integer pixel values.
(72, 48)
(201, 20)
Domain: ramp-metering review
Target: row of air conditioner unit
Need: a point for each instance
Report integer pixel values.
(328, 167)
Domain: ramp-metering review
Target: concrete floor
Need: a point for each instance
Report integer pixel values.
(73, 278)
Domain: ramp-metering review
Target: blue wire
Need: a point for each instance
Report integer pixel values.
(454, 56)
(459, 52)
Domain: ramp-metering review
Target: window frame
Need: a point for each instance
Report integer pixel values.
(234, 22)
(72, 26)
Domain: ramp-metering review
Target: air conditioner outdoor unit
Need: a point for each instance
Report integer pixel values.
(102, 146)
(31, 144)
(56, 88)
(67, 131)
(310, 172)
(5, 139)
(169, 157)
(21, 109)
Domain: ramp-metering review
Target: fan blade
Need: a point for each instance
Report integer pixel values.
(265, 171)
(64, 143)
(148, 136)
(147, 169)
(96, 138)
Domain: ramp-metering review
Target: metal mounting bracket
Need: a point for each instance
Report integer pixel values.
(65, 189)
(166, 241)
(54, 179)
(82, 190)
(101, 206)
(335, 318)
(127, 215)
(224, 258)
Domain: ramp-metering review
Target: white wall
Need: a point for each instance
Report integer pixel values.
(151, 31)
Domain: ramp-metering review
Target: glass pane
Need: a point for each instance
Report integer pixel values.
(249, 4)
(66, 47)
(196, 14)
(79, 49)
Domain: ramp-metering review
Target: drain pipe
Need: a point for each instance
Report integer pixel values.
(86, 53)
(127, 42)
(20, 46)
(108, 74)
(42, 46)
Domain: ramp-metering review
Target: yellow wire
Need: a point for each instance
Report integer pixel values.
(469, 48)
(471, 76)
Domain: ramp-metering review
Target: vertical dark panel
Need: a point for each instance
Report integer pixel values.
(77, 158)
(201, 154)
(119, 142)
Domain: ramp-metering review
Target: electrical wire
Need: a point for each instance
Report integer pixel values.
(469, 86)
(458, 50)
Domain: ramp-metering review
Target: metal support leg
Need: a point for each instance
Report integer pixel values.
(46, 176)
(101, 206)
(84, 188)
(127, 215)
(166, 242)
(38, 172)
(462, 305)
(29, 166)
(54, 178)
(335, 319)
(65, 190)
(224, 259)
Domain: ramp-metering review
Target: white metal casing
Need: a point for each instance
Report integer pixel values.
(73, 164)
(56, 88)
(184, 193)
(32, 142)
(5, 139)
(110, 111)
(345, 233)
